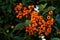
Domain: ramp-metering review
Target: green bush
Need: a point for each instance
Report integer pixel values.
(10, 25)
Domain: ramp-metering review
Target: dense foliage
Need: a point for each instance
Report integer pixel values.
(15, 24)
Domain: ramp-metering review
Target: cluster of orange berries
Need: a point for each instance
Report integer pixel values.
(38, 23)
(21, 12)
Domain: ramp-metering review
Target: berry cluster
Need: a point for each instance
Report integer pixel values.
(23, 11)
(38, 23)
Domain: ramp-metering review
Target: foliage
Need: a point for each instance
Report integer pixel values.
(10, 25)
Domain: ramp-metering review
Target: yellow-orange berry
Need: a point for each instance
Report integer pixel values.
(50, 12)
(48, 17)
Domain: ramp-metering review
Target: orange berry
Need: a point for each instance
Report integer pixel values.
(52, 19)
(41, 26)
(45, 24)
(39, 23)
(49, 26)
(24, 8)
(50, 12)
(46, 33)
(44, 28)
(41, 17)
(35, 24)
(37, 30)
(29, 10)
(16, 11)
(48, 17)
(41, 34)
(26, 30)
(17, 16)
(29, 6)
(33, 21)
(32, 6)
(30, 25)
(34, 28)
(19, 7)
(49, 29)
(43, 21)
(26, 16)
(20, 17)
(48, 22)
(20, 4)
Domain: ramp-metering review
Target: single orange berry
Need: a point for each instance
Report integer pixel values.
(29, 6)
(49, 29)
(43, 21)
(41, 17)
(17, 16)
(32, 6)
(24, 8)
(48, 17)
(20, 4)
(39, 23)
(16, 11)
(46, 33)
(20, 17)
(50, 12)
(48, 22)
(26, 16)
(52, 20)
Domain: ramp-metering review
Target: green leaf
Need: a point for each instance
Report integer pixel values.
(41, 6)
(55, 38)
(58, 18)
(18, 26)
(44, 5)
(27, 22)
(24, 2)
(48, 9)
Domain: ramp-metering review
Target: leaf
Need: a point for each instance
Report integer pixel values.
(24, 2)
(27, 22)
(44, 5)
(56, 28)
(58, 18)
(55, 38)
(41, 6)
(18, 26)
(48, 9)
